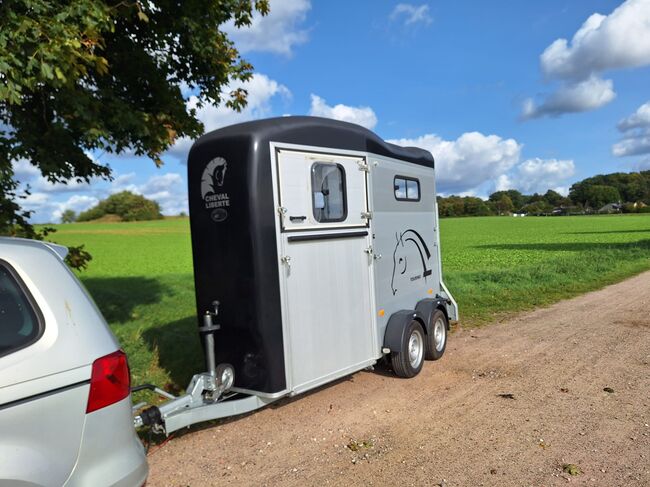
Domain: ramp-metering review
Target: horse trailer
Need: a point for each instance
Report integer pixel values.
(316, 253)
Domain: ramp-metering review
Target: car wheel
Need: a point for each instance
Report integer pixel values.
(437, 338)
(407, 362)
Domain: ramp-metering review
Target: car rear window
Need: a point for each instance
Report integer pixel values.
(19, 321)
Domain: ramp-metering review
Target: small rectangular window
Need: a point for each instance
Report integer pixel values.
(406, 189)
(19, 323)
(328, 192)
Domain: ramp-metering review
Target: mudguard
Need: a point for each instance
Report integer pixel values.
(396, 327)
(427, 307)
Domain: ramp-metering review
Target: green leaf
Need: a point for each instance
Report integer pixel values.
(59, 73)
(46, 71)
(142, 16)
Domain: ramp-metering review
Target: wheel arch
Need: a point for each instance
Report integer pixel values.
(427, 307)
(397, 324)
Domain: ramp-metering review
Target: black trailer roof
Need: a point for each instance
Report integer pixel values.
(319, 132)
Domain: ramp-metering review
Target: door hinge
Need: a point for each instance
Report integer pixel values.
(282, 211)
(371, 251)
(286, 260)
(363, 166)
(367, 215)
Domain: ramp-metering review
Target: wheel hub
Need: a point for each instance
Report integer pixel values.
(416, 349)
(439, 335)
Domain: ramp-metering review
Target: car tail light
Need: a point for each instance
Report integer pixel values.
(110, 381)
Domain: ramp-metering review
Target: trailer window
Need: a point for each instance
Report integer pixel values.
(406, 189)
(19, 323)
(328, 192)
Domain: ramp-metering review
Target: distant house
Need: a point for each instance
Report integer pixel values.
(611, 208)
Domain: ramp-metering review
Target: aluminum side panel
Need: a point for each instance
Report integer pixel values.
(405, 237)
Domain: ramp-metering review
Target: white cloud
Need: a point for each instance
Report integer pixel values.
(28, 174)
(468, 162)
(586, 95)
(603, 43)
(261, 90)
(618, 40)
(539, 175)
(412, 14)
(278, 32)
(24, 171)
(477, 164)
(635, 145)
(636, 133)
(364, 116)
(639, 119)
(122, 182)
(169, 190)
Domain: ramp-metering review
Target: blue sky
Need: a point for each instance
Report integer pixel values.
(489, 87)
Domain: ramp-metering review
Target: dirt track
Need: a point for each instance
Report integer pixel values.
(448, 425)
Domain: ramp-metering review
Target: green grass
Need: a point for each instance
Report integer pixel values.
(141, 275)
(495, 266)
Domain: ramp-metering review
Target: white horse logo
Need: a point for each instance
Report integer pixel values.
(213, 176)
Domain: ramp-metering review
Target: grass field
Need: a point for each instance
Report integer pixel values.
(141, 275)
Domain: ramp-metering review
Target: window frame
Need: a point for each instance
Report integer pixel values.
(405, 179)
(31, 302)
(344, 190)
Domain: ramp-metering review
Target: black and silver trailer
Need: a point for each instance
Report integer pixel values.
(316, 253)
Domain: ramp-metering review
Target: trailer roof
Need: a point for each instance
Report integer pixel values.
(319, 132)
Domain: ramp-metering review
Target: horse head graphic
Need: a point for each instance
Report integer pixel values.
(404, 241)
(213, 176)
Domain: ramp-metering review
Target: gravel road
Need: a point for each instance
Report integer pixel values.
(450, 425)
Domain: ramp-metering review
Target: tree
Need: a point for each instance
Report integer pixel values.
(98, 75)
(539, 207)
(597, 196)
(126, 205)
(504, 205)
(632, 187)
(518, 199)
(68, 216)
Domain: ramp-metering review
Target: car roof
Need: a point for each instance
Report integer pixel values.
(60, 250)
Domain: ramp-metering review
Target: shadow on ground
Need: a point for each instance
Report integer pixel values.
(607, 232)
(179, 348)
(117, 297)
(572, 246)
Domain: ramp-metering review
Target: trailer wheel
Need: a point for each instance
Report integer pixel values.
(407, 362)
(437, 338)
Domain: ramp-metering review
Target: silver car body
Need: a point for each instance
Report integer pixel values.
(46, 436)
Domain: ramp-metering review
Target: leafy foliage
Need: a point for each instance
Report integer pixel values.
(95, 75)
(126, 205)
(610, 188)
(68, 216)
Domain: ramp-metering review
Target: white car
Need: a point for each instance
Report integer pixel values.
(65, 401)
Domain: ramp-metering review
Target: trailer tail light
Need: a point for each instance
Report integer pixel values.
(110, 381)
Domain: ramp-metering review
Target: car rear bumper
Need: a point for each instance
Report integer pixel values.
(110, 452)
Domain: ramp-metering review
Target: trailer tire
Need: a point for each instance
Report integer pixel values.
(436, 339)
(408, 361)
